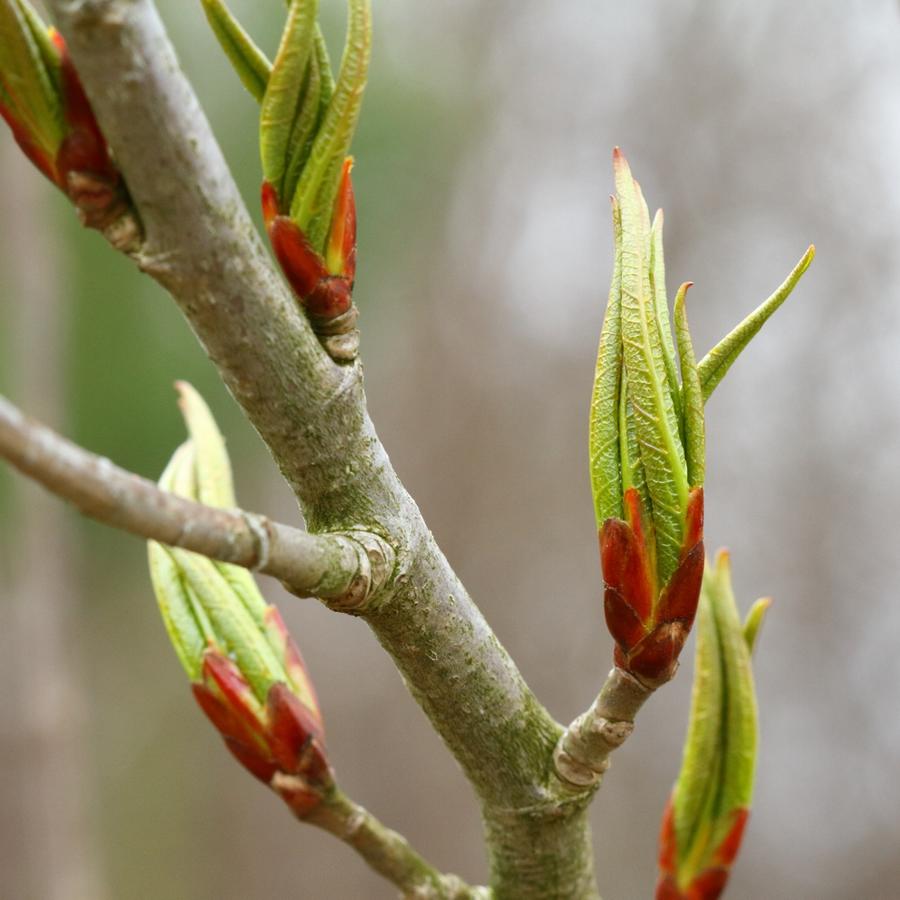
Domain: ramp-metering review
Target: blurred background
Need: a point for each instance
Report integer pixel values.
(483, 169)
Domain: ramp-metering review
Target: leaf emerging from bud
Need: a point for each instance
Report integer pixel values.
(247, 673)
(705, 818)
(307, 121)
(646, 449)
(718, 361)
(249, 62)
(31, 85)
(648, 440)
(43, 102)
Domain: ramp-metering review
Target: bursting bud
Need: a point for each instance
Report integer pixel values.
(43, 102)
(647, 441)
(307, 121)
(246, 672)
(705, 817)
(646, 450)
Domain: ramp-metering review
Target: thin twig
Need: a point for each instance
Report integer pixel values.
(316, 565)
(388, 852)
(582, 754)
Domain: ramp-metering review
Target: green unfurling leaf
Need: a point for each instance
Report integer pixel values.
(325, 71)
(718, 361)
(696, 787)
(715, 786)
(180, 476)
(40, 33)
(307, 121)
(187, 627)
(694, 428)
(283, 96)
(739, 760)
(251, 64)
(214, 484)
(605, 464)
(178, 615)
(233, 625)
(661, 306)
(656, 426)
(754, 621)
(206, 476)
(317, 189)
(30, 87)
(200, 470)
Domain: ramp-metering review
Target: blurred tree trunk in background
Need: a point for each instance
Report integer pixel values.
(46, 835)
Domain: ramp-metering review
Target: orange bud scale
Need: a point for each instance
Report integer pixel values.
(708, 884)
(649, 627)
(283, 737)
(323, 294)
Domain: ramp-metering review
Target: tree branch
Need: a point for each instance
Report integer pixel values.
(312, 565)
(201, 245)
(582, 754)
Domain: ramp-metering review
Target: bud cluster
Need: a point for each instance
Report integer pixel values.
(705, 818)
(648, 442)
(44, 104)
(307, 121)
(246, 671)
(646, 450)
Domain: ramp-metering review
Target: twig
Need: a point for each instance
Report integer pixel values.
(327, 566)
(387, 852)
(582, 754)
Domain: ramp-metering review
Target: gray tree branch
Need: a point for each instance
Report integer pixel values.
(313, 565)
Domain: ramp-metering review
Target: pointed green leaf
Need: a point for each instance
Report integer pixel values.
(754, 621)
(321, 51)
(694, 429)
(697, 782)
(202, 471)
(215, 486)
(716, 779)
(739, 760)
(633, 475)
(306, 124)
(29, 88)
(283, 94)
(185, 632)
(244, 585)
(187, 625)
(605, 465)
(249, 62)
(646, 226)
(314, 199)
(657, 428)
(40, 33)
(661, 305)
(718, 361)
(203, 601)
(179, 476)
(234, 627)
